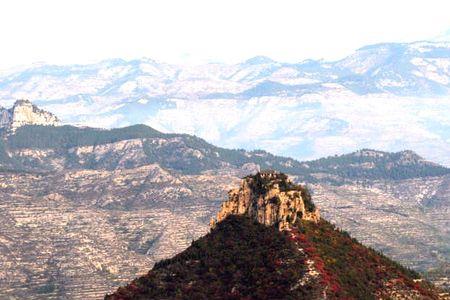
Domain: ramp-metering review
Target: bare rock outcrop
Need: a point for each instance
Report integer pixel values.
(270, 198)
(23, 113)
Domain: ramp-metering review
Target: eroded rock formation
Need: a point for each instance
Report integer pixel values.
(270, 198)
(23, 113)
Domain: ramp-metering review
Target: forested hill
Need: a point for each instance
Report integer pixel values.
(268, 243)
(368, 164)
(192, 155)
(242, 259)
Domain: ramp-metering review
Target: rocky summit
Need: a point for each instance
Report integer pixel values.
(23, 113)
(270, 198)
(269, 243)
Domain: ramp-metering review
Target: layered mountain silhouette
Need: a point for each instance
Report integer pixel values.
(81, 147)
(86, 209)
(270, 243)
(357, 102)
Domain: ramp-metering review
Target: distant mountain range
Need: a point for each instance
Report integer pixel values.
(49, 148)
(386, 96)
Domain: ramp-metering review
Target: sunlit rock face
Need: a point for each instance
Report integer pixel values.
(23, 113)
(270, 198)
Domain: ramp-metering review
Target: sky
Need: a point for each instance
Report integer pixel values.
(199, 31)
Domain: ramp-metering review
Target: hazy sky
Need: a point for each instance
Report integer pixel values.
(193, 31)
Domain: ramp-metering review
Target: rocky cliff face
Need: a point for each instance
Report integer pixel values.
(270, 198)
(23, 113)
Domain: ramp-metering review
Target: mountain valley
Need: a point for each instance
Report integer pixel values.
(111, 203)
(224, 150)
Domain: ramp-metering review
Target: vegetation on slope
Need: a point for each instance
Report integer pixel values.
(63, 137)
(358, 271)
(262, 184)
(241, 259)
(372, 165)
(362, 165)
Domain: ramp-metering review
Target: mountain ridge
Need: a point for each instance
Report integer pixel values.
(66, 139)
(406, 84)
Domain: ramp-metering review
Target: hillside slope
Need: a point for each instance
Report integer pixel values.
(242, 258)
(45, 148)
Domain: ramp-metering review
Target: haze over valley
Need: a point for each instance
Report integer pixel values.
(390, 97)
